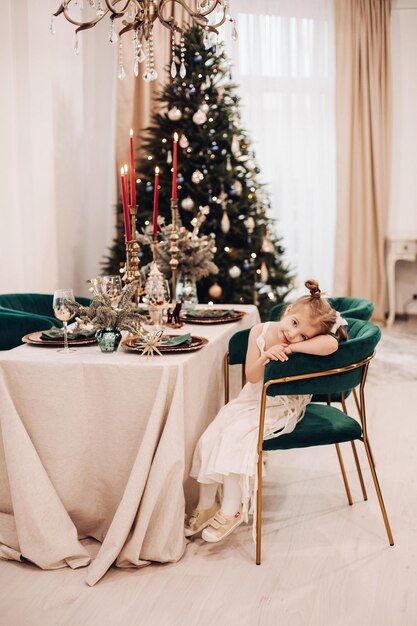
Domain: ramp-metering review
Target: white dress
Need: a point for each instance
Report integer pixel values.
(228, 445)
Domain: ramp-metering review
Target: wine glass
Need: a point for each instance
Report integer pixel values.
(112, 286)
(62, 312)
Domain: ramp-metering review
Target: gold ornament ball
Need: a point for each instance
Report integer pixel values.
(215, 291)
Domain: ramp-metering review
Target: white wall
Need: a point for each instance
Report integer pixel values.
(403, 200)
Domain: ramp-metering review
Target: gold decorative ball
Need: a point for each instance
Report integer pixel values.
(215, 291)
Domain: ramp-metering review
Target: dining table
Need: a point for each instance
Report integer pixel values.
(99, 445)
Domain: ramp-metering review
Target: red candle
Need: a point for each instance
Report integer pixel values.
(132, 172)
(174, 168)
(155, 203)
(126, 215)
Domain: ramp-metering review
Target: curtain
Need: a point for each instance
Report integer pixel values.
(363, 139)
(57, 154)
(283, 64)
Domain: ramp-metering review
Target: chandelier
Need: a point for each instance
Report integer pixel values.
(138, 17)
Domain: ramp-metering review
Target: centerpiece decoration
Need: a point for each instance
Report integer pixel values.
(194, 255)
(109, 321)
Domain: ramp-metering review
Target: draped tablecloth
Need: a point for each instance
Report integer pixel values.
(100, 445)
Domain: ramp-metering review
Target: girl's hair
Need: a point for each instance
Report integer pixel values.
(320, 309)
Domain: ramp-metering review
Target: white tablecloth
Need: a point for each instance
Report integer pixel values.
(100, 445)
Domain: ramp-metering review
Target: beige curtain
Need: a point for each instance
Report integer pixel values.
(363, 147)
(136, 98)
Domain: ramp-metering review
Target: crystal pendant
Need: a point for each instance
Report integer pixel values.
(234, 32)
(183, 71)
(76, 48)
(173, 69)
(52, 28)
(100, 10)
(121, 75)
(141, 56)
(136, 67)
(150, 75)
(113, 37)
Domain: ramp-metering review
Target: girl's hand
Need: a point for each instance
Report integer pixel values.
(278, 352)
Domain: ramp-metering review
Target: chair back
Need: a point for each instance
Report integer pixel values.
(357, 308)
(238, 347)
(349, 363)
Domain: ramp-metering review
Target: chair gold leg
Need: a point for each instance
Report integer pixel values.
(226, 379)
(342, 467)
(355, 395)
(259, 512)
(355, 454)
(378, 493)
(358, 467)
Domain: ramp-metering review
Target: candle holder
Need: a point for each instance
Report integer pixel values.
(132, 271)
(174, 313)
(174, 250)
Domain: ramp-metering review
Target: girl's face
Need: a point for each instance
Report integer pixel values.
(297, 326)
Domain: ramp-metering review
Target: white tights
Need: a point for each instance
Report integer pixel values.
(232, 495)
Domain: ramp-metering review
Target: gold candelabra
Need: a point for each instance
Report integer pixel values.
(132, 271)
(174, 250)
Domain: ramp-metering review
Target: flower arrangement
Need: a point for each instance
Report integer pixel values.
(101, 314)
(196, 252)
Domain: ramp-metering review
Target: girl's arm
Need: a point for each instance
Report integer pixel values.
(255, 363)
(320, 345)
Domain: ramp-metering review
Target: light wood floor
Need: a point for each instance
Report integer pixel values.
(325, 563)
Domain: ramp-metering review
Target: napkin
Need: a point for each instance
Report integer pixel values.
(55, 333)
(204, 313)
(178, 340)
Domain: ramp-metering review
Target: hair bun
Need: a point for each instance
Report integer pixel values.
(313, 287)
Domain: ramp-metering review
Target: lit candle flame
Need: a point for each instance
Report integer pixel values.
(156, 170)
(131, 132)
(175, 136)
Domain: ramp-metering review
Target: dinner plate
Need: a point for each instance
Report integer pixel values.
(35, 339)
(195, 344)
(233, 317)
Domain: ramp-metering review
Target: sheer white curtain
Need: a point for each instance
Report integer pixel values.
(283, 63)
(57, 151)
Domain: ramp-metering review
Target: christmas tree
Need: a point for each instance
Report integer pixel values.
(217, 177)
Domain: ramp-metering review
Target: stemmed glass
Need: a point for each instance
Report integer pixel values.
(112, 286)
(62, 312)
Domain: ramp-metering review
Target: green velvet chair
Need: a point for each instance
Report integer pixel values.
(23, 313)
(358, 308)
(323, 424)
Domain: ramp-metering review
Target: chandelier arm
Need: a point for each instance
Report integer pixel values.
(81, 25)
(111, 8)
(199, 18)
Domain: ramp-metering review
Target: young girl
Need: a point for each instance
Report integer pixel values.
(226, 452)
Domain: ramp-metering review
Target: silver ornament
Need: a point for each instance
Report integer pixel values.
(184, 143)
(235, 271)
(174, 114)
(187, 204)
(197, 177)
(199, 117)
